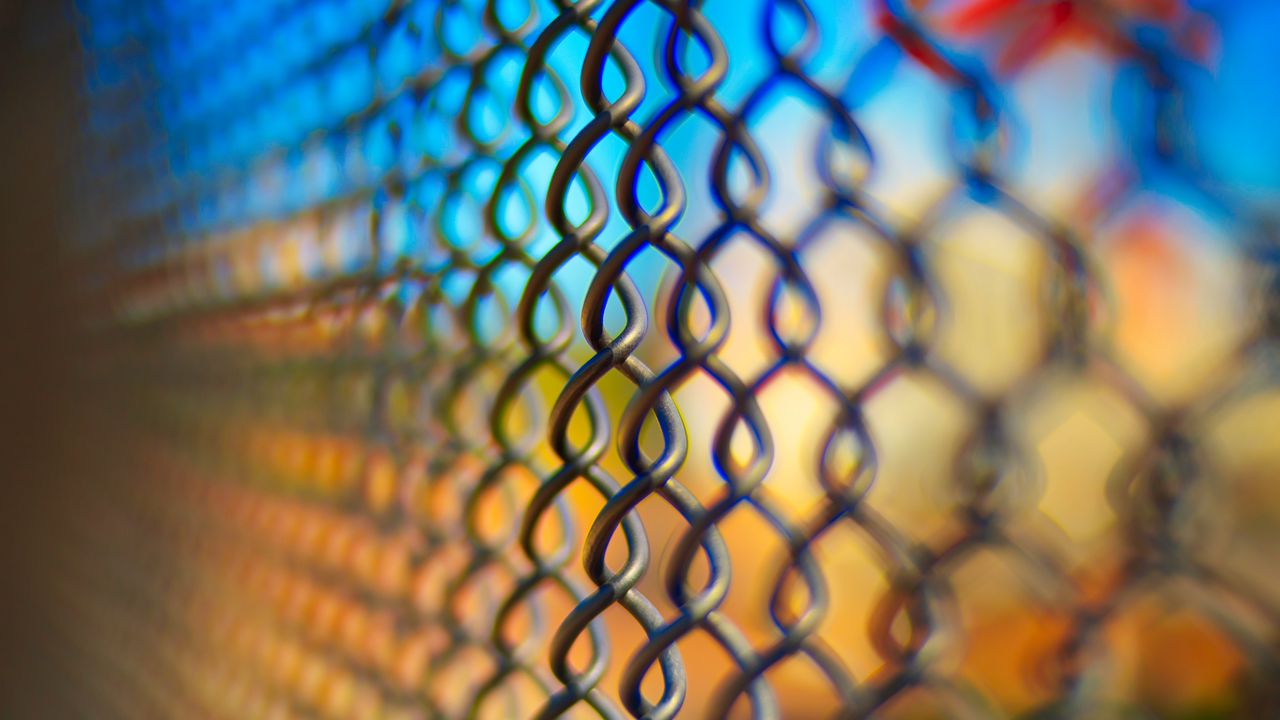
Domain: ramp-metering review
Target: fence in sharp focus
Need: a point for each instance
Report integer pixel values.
(659, 358)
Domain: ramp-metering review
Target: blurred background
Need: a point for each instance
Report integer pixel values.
(520, 358)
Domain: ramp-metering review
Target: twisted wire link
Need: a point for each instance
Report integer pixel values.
(578, 239)
(687, 34)
(471, 432)
(987, 462)
(545, 349)
(790, 287)
(1157, 493)
(914, 590)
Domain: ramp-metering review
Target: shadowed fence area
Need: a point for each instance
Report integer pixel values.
(674, 358)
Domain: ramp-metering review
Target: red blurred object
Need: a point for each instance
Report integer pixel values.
(1022, 31)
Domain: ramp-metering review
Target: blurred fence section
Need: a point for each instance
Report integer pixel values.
(658, 358)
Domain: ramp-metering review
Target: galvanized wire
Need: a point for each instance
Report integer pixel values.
(364, 412)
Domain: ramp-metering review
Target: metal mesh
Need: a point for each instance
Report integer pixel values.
(700, 359)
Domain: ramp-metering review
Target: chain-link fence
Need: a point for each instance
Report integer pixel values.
(770, 358)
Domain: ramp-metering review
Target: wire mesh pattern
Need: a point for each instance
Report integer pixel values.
(669, 358)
